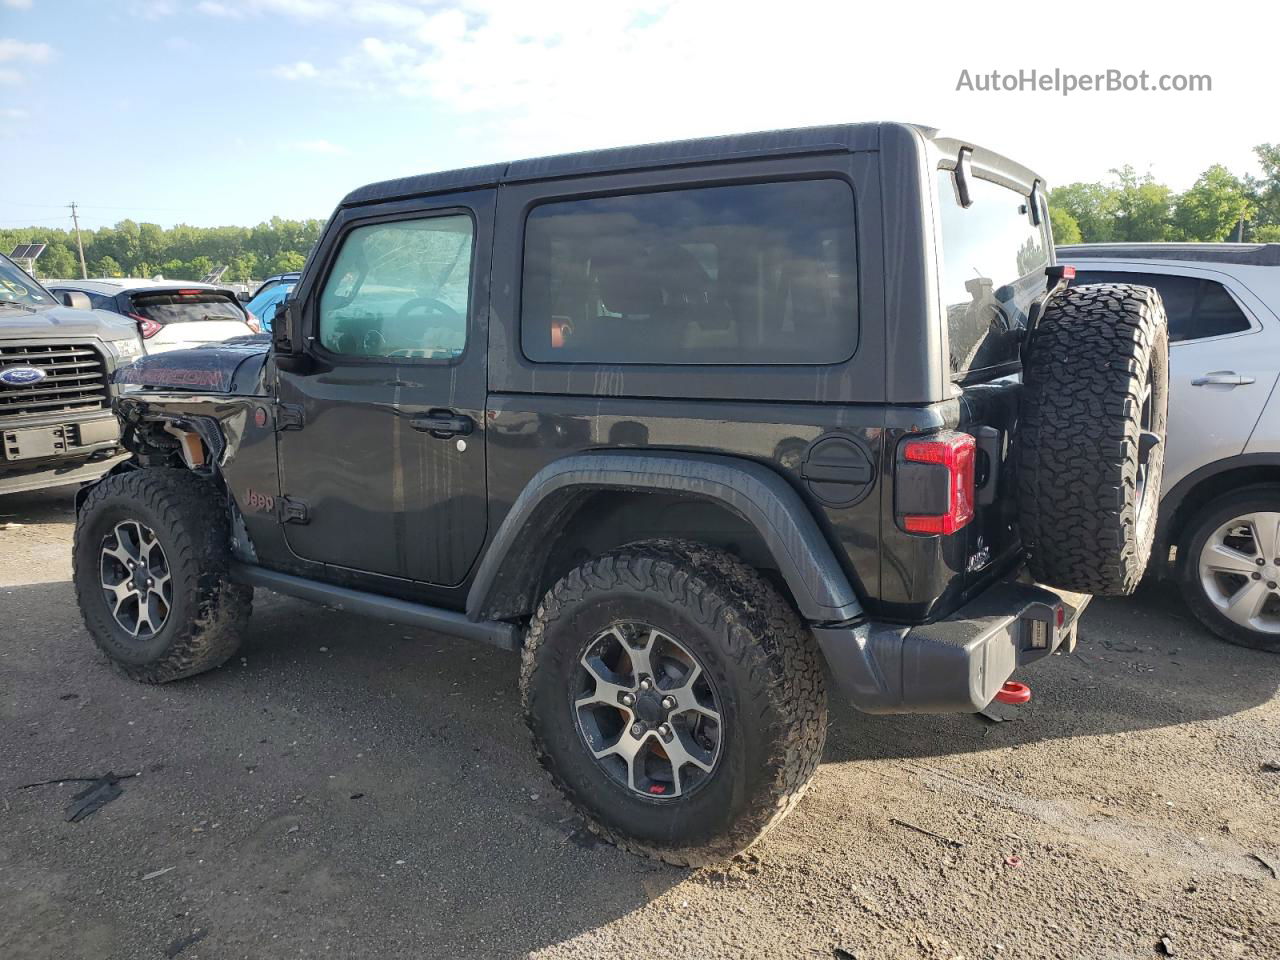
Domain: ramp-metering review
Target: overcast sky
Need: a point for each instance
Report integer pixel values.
(231, 111)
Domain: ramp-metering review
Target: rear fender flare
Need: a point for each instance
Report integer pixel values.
(509, 576)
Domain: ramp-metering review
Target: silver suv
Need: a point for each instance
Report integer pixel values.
(1219, 526)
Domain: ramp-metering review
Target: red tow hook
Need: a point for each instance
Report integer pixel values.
(1013, 692)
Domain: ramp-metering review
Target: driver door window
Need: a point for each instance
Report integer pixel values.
(400, 289)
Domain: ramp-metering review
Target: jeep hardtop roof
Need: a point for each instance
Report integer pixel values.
(743, 146)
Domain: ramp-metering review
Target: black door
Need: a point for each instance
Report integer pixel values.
(388, 462)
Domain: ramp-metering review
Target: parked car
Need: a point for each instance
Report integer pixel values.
(672, 422)
(56, 364)
(275, 281)
(263, 305)
(170, 314)
(1219, 527)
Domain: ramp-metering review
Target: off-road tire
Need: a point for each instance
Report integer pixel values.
(1262, 498)
(1077, 442)
(765, 666)
(209, 612)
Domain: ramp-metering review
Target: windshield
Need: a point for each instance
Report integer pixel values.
(17, 287)
(184, 306)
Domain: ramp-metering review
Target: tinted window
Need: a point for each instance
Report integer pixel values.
(186, 306)
(753, 274)
(400, 290)
(1196, 307)
(993, 260)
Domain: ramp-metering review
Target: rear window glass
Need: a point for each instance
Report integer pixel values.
(752, 274)
(177, 306)
(993, 261)
(1196, 307)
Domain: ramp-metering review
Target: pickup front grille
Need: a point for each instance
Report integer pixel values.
(75, 380)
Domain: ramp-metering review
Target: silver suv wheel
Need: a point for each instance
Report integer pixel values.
(1240, 571)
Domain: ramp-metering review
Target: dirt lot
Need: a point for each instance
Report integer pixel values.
(351, 789)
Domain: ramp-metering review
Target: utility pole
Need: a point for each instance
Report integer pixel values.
(84, 271)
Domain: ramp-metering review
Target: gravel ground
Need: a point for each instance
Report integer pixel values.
(352, 789)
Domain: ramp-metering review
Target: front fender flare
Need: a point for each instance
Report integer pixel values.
(505, 584)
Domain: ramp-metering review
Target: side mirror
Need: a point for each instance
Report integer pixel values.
(75, 299)
(287, 339)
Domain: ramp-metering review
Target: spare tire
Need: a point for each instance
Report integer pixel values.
(1089, 446)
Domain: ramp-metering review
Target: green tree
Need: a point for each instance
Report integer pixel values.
(106, 267)
(1065, 227)
(1143, 208)
(1213, 207)
(1266, 192)
(1267, 233)
(1091, 206)
(198, 268)
(57, 262)
(287, 262)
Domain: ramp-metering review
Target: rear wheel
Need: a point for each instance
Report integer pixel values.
(1229, 562)
(151, 566)
(675, 698)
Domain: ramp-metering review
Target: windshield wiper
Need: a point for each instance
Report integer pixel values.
(18, 306)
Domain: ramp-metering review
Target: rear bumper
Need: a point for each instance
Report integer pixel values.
(956, 665)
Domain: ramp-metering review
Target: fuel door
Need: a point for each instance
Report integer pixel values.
(837, 470)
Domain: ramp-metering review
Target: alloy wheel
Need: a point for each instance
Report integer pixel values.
(135, 578)
(1240, 571)
(647, 711)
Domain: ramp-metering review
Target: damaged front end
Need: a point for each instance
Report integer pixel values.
(207, 410)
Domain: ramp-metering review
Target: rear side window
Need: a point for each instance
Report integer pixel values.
(993, 261)
(1197, 307)
(185, 306)
(752, 274)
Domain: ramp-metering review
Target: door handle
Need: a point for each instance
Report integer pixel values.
(443, 424)
(1222, 378)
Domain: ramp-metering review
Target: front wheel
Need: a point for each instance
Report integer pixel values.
(1229, 563)
(151, 564)
(675, 698)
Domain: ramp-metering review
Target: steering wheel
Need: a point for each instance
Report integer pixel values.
(434, 308)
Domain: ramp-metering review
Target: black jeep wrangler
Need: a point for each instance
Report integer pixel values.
(681, 423)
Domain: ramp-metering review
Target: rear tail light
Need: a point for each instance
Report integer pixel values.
(950, 483)
(147, 327)
(254, 324)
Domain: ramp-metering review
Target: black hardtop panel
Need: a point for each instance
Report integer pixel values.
(744, 146)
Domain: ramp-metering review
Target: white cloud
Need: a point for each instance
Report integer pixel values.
(152, 9)
(9, 78)
(16, 50)
(530, 77)
(213, 9)
(18, 4)
(320, 146)
(14, 113)
(296, 71)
